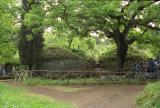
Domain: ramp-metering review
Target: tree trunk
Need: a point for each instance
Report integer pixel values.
(30, 50)
(30, 67)
(122, 48)
(121, 55)
(70, 40)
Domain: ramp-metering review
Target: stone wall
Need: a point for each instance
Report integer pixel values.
(66, 64)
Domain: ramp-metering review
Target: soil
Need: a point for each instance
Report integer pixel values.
(92, 96)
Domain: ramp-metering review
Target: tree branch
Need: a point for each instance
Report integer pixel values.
(109, 34)
(132, 20)
(150, 27)
(115, 17)
(65, 17)
(133, 39)
(123, 8)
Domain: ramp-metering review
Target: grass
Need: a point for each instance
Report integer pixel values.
(38, 81)
(150, 98)
(19, 98)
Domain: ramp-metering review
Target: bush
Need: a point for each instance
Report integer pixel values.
(150, 98)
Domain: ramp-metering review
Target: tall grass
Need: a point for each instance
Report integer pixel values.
(20, 98)
(150, 98)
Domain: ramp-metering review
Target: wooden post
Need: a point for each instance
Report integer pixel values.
(21, 76)
(29, 75)
(13, 73)
(68, 79)
(100, 77)
(84, 78)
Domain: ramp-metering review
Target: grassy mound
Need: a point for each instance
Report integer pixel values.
(58, 53)
(63, 53)
(109, 59)
(150, 98)
(20, 98)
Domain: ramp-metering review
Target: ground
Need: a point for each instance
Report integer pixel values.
(91, 96)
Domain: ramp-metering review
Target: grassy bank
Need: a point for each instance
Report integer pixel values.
(38, 81)
(20, 98)
(150, 98)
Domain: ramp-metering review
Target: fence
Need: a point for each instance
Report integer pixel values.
(82, 76)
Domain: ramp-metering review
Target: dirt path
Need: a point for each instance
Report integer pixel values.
(102, 96)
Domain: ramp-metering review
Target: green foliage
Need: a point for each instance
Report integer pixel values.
(86, 16)
(150, 98)
(8, 51)
(114, 19)
(56, 39)
(58, 53)
(20, 98)
(69, 30)
(88, 47)
(150, 41)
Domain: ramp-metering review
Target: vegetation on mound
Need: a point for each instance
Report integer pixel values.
(109, 59)
(20, 98)
(58, 53)
(150, 98)
(62, 53)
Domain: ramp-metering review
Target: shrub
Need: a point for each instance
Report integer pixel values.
(150, 98)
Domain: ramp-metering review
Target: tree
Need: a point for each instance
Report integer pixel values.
(114, 19)
(31, 33)
(8, 48)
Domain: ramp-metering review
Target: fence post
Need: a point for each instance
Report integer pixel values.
(68, 79)
(84, 78)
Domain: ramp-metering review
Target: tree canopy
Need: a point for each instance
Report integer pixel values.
(7, 32)
(123, 21)
(84, 27)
